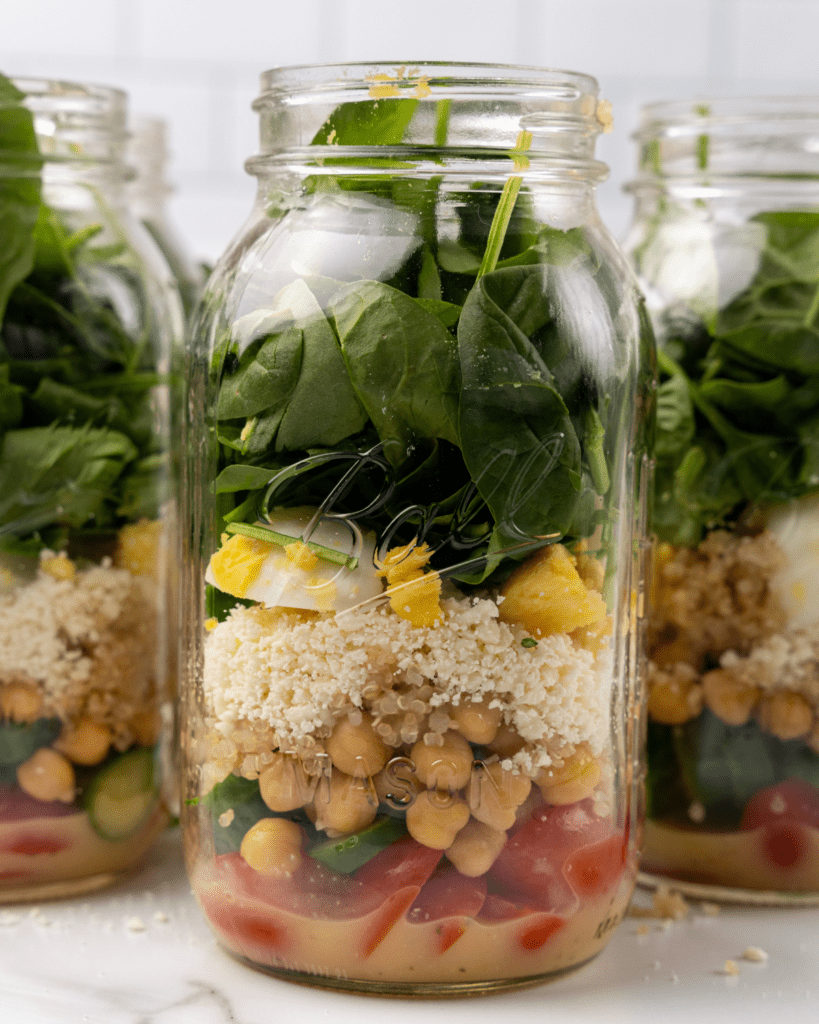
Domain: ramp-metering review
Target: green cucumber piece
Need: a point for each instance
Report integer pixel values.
(122, 795)
(18, 741)
(348, 854)
(243, 798)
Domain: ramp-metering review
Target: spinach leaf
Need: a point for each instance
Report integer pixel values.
(295, 377)
(738, 398)
(402, 363)
(379, 122)
(19, 193)
(517, 437)
(59, 473)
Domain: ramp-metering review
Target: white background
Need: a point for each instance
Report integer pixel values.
(197, 63)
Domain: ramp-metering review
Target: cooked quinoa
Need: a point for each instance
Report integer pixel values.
(87, 641)
(281, 679)
(714, 605)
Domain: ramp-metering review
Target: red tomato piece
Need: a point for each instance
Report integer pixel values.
(782, 813)
(496, 910)
(595, 869)
(448, 897)
(15, 805)
(448, 893)
(537, 933)
(381, 891)
(530, 868)
(793, 800)
(32, 843)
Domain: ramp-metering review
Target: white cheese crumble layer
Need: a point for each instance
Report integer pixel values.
(292, 674)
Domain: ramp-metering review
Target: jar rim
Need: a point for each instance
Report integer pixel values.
(564, 84)
(75, 122)
(777, 114)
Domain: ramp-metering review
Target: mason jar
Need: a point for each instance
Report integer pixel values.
(88, 315)
(148, 194)
(725, 240)
(419, 394)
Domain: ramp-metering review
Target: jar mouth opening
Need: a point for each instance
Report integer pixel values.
(74, 122)
(466, 108)
(406, 75)
(774, 115)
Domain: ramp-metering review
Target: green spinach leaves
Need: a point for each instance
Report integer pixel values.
(738, 404)
(78, 416)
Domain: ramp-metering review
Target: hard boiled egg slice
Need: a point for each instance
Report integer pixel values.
(296, 574)
(795, 527)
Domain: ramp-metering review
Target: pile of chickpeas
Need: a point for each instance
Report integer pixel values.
(451, 801)
(49, 774)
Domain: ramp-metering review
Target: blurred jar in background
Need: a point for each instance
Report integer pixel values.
(148, 193)
(89, 316)
(419, 400)
(726, 245)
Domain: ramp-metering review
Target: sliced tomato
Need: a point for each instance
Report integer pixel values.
(448, 893)
(242, 902)
(15, 805)
(595, 869)
(249, 930)
(451, 898)
(782, 814)
(30, 844)
(530, 868)
(793, 800)
(497, 910)
(536, 933)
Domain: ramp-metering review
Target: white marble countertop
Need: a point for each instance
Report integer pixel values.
(140, 953)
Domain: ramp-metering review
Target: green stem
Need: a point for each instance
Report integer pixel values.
(506, 204)
(810, 316)
(272, 537)
(442, 108)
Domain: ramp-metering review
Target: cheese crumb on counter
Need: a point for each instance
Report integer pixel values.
(755, 955)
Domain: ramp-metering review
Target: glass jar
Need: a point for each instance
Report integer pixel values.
(726, 246)
(87, 317)
(418, 398)
(148, 193)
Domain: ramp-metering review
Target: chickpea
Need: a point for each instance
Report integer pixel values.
(475, 721)
(445, 767)
(284, 784)
(87, 742)
(20, 702)
(728, 697)
(357, 749)
(435, 818)
(344, 804)
(476, 848)
(507, 742)
(786, 715)
(496, 793)
(575, 780)
(272, 847)
(397, 784)
(673, 701)
(47, 776)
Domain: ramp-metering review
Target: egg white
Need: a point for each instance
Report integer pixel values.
(327, 586)
(795, 527)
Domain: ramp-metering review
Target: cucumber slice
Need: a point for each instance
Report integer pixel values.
(19, 741)
(350, 853)
(123, 794)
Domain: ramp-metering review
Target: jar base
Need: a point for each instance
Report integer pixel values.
(727, 894)
(64, 889)
(409, 990)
